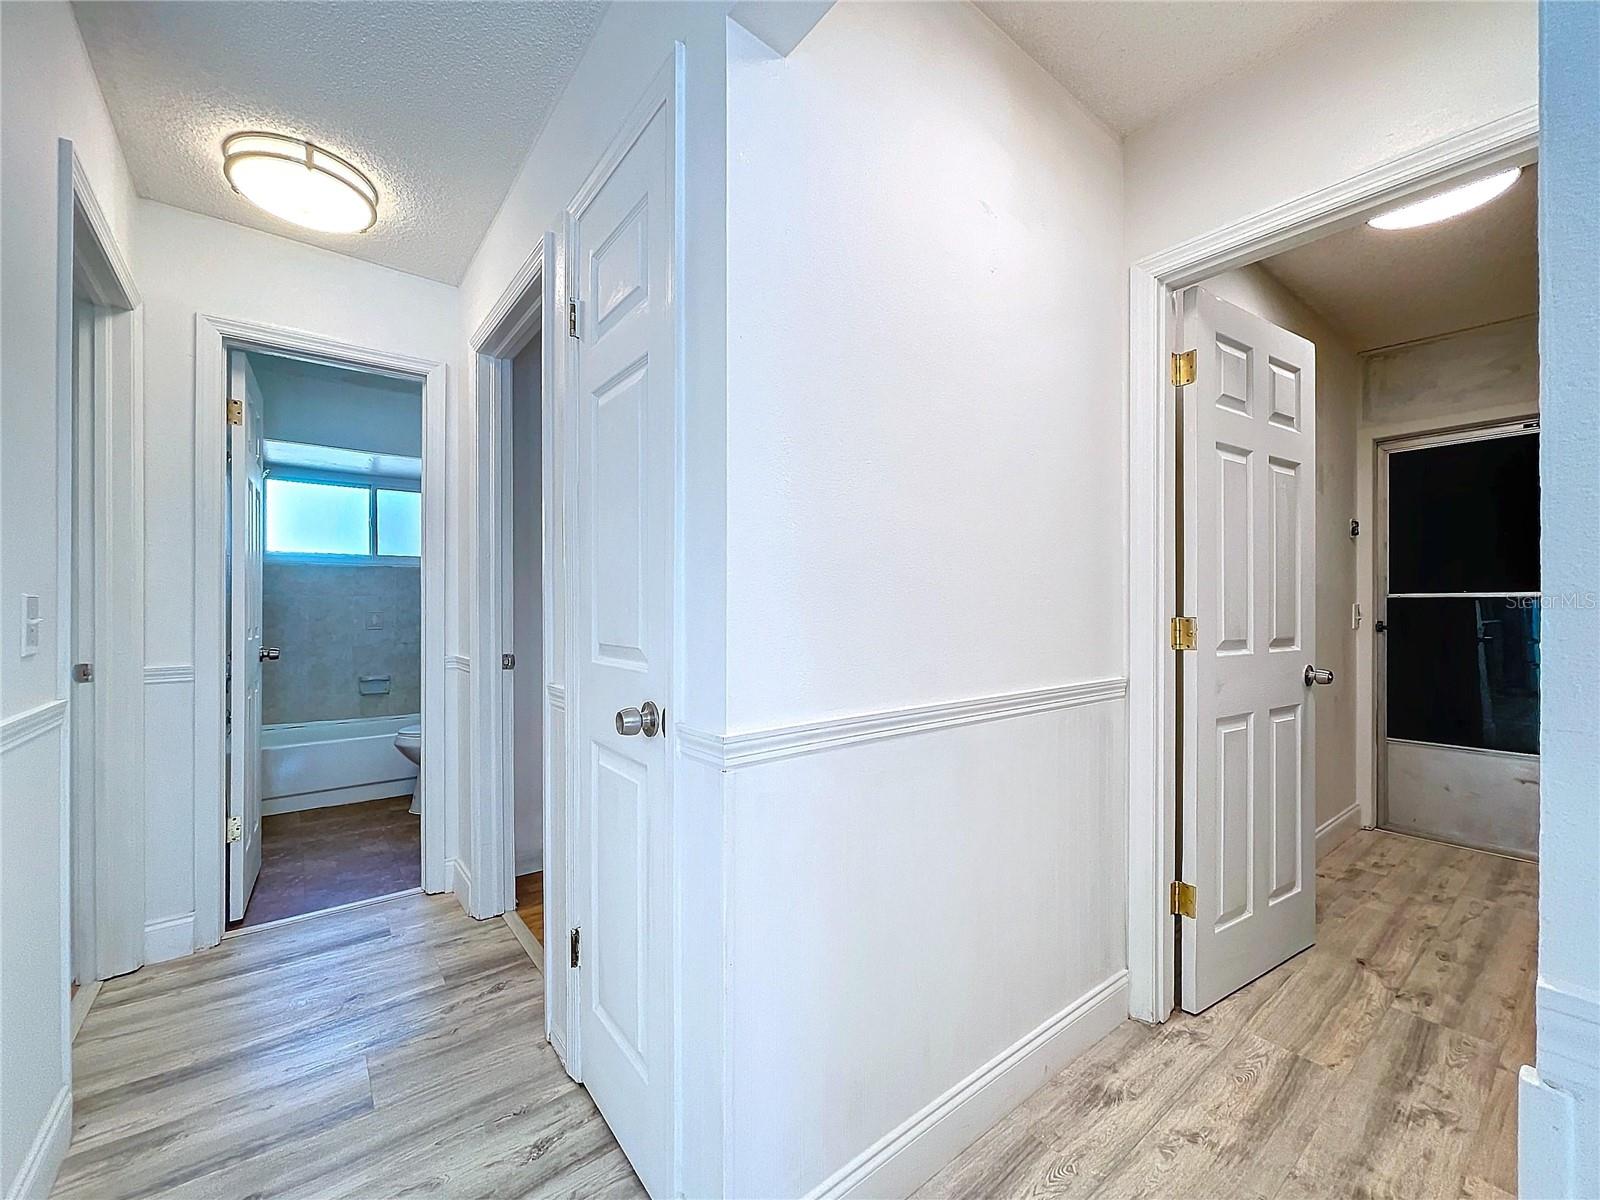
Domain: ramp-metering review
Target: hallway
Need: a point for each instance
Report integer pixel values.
(388, 1049)
(1381, 1062)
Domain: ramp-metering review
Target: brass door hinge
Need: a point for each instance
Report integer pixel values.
(1183, 367)
(235, 412)
(1183, 633)
(1182, 899)
(572, 942)
(235, 830)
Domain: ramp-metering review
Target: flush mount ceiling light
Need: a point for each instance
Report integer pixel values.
(1448, 204)
(300, 182)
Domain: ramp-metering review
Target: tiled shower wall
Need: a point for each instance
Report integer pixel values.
(322, 618)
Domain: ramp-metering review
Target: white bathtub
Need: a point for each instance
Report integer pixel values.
(321, 763)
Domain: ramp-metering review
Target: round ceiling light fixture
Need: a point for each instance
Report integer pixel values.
(294, 179)
(1444, 205)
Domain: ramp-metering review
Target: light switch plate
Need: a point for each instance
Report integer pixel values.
(31, 623)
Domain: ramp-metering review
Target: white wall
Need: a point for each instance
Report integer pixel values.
(925, 482)
(1560, 1100)
(527, 536)
(1381, 81)
(49, 92)
(1338, 406)
(188, 264)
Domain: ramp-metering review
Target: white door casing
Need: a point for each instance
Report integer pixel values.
(622, 249)
(246, 516)
(1248, 579)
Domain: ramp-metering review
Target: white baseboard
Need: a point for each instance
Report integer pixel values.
(908, 1156)
(169, 938)
(1336, 828)
(357, 793)
(458, 880)
(39, 1166)
(1559, 1100)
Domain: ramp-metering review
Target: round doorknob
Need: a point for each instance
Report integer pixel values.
(270, 654)
(1318, 675)
(645, 719)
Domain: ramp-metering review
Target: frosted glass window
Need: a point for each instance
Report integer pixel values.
(317, 518)
(399, 524)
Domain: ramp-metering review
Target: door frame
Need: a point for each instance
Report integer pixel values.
(214, 337)
(108, 908)
(1437, 435)
(1152, 742)
(526, 308)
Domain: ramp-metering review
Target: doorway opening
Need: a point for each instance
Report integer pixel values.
(1353, 502)
(325, 617)
(292, 513)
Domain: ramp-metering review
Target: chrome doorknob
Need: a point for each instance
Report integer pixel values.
(1318, 675)
(645, 719)
(270, 654)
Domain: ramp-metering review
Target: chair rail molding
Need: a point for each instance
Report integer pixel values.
(31, 723)
(728, 751)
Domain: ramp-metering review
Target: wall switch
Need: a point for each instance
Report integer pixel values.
(31, 623)
(1355, 616)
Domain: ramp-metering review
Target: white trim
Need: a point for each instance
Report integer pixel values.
(1152, 699)
(169, 938)
(1336, 828)
(530, 944)
(214, 335)
(34, 722)
(82, 1001)
(337, 797)
(458, 662)
(755, 747)
(905, 1157)
(42, 1163)
(1552, 1144)
(173, 673)
(458, 882)
(366, 902)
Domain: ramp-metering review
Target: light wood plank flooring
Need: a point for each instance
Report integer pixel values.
(530, 903)
(1380, 1063)
(390, 1050)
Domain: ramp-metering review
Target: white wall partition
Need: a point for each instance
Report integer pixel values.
(253, 283)
(49, 93)
(1559, 1099)
(922, 833)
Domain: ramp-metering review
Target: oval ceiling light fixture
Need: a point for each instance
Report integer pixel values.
(1444, 205)
(294, 179)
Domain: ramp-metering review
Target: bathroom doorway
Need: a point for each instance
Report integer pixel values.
(324, 687)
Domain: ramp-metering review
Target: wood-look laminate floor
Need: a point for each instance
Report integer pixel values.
(530, 903)
(1380, 1063)
(324, 857)
(385, 1051)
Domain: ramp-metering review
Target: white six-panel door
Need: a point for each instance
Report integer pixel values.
(246, 514)
(620, 256)
(1249, 575)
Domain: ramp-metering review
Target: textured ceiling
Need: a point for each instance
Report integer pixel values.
(1382, 287)
(438, 103)
(1131, 63)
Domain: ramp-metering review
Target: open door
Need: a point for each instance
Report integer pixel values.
(1248, 582)
(621, 235)
(246, 481)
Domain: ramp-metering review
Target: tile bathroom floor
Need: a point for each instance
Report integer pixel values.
(325, 857)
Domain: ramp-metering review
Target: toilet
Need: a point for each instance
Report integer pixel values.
(409, 742)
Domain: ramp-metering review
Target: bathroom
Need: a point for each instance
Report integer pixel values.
(340, 627)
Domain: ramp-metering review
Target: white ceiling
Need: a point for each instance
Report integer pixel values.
(1381, 287)
(438, 103)
(1131, 63)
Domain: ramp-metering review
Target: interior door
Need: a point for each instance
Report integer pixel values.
(1248, 580)
(621, 234)
(246, 475)
(84, 594)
